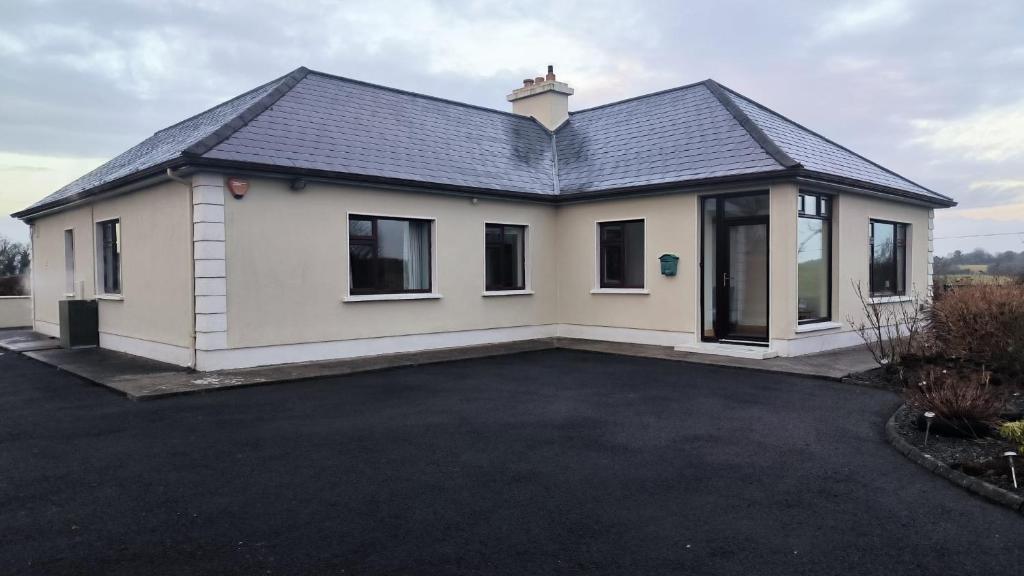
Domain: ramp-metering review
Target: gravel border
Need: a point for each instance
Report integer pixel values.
(979, 487)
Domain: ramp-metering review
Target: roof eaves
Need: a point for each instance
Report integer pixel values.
(834, 143)
(759, 136)
(245, 116)
(825, 178)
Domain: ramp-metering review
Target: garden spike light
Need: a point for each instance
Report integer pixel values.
(928, 416)
(1013, 471)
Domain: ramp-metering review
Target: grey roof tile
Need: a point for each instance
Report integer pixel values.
(310, 121)
(676, 135)
(819, 154)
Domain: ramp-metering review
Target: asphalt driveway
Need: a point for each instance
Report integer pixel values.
(546, 462)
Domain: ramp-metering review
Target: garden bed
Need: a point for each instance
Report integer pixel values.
(981, 458)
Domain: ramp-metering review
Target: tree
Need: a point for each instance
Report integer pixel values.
(14, 263)
(14, 257)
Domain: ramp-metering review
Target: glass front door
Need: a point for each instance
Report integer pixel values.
(734, 263)
(746, 282)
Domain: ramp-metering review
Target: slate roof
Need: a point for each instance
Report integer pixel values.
(322, 125)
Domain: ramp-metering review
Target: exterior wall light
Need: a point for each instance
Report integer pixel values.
(1013, 471)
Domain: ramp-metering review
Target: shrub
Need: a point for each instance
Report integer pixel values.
(984, 324)
(1014, 432)
(892, 332)
(963, 402)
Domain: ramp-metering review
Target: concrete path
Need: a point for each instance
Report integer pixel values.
(550, 462)
(141, 378)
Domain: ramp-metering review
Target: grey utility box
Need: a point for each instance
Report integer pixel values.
(79, 323)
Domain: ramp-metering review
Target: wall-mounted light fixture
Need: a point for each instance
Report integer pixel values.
(237, 186)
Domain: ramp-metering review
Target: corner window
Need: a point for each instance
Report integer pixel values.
(814, 258)
(621, 254)
(69, 261)
(505, 247)
(388, 255)
(888, 258)
(108, 244)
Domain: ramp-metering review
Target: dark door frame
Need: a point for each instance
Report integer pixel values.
(720, 322)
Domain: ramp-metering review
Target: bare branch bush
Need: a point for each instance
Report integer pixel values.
(892, 331)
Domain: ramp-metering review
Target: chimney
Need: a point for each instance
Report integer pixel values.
(544, 98)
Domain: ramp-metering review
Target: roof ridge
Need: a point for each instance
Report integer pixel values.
(755, 131)
(419, 95)
(285, 84)
(832, 142)
(632, 98)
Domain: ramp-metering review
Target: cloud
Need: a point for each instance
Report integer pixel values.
(993, 134)
(1001, 213)
(863, 17)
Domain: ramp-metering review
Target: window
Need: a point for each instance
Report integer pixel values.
(621, 254)
(388, 255)
(888, 258)
(108, 236)
(505, 267)
(814, 258)
(69, 261)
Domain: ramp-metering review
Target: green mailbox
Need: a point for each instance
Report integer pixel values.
(669, 264)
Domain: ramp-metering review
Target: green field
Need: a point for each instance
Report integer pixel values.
(976, 278)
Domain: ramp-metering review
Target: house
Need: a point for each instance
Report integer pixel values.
(319, 217)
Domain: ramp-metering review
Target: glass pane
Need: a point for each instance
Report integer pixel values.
(812, 257)
(634, 266)
(748, 281)
(883, 279)
(824, 206)
(901, 259)
(740, 206)
(360, 228)
(492, 271)
(709, 268)
(492, 234)
(611, 232)
(361, 267)
(512, 257)
(612, 265)
(69, 261)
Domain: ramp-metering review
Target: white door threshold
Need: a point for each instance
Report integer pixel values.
(733, 350)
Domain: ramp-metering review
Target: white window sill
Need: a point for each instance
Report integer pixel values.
(507, 293)
(815, 327)
(620, 291)
(386, 297)
(110, 297)
(889, 299)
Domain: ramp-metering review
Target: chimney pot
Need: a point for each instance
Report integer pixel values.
(527, 82)
(539, 79)
(551, 73)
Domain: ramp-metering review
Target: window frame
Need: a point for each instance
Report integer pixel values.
(102, 289)
(801, 212)
(601, 249)
(371, 241)
(899, 291)
(69, 262)
(524, 261)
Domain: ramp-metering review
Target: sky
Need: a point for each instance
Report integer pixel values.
(932, 89)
